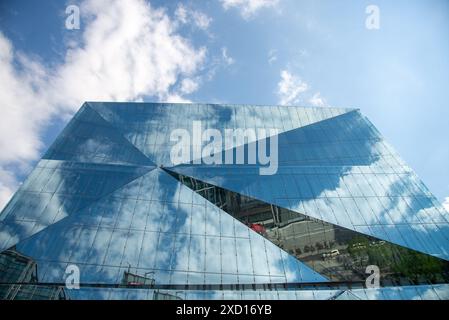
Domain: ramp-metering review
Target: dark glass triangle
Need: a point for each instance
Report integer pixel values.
(344, 140)
(406, 216)
(338, 253)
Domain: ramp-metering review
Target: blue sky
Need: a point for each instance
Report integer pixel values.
(235, 51)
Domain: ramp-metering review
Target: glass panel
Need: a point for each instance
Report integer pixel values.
(338, 253)
(340, 200)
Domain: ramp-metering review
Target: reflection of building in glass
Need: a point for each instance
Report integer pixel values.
(130, 279)
(159, 295)
(106, 198)
(19, 279)
(338, 253)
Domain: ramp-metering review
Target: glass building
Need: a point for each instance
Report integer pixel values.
(106, 200)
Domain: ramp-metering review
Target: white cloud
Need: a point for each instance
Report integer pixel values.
(317, 100)
(290, 88)
(248, 8)
(189, 86)
(446, 204)
(187, 15)
(181, 13)
(128, 50)
(226, 58)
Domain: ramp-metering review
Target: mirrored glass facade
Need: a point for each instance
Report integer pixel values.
(107, 200)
